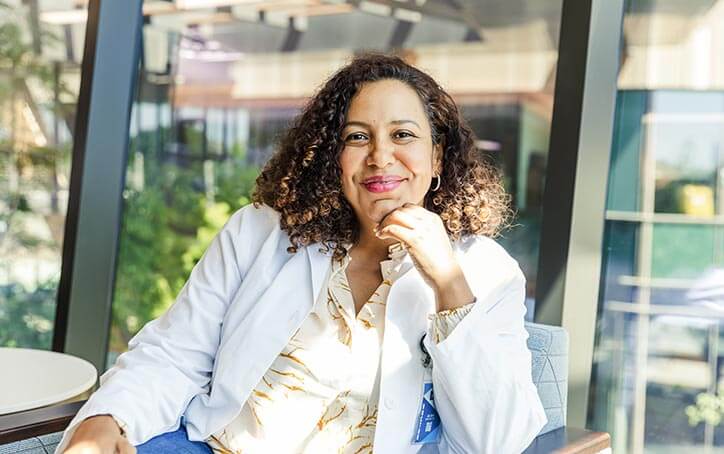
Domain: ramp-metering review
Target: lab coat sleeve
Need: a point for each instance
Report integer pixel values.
(171, 359)
(481, 371)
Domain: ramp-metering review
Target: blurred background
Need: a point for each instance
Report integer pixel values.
(219, 80)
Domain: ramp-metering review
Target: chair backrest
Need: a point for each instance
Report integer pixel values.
(549, 348)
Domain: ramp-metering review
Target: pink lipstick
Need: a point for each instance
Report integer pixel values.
(382, 183)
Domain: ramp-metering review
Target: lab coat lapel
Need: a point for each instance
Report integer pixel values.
(277, 312)
(258, 338)
(409, 302)
(319, 263)
(413, 293)
(282, 307)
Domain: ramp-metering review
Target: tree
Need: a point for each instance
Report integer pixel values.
(167, 227)
(26, 168)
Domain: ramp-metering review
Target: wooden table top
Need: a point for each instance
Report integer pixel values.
(570, 440)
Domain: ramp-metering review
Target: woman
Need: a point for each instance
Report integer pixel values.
(323, 316)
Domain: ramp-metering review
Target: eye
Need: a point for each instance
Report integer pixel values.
(403, 134)
(355, 136)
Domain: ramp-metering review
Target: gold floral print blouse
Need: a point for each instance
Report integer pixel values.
(320, 394)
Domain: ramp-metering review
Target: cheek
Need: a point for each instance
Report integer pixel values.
(350, 162)
(418, 161)
(348, 167)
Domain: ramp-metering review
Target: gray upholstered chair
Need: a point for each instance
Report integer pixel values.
(549, 348)
(42, 444)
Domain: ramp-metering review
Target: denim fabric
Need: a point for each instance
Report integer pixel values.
(173, 443)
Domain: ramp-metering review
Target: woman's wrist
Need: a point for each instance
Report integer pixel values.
(453, 291)
(111, 420)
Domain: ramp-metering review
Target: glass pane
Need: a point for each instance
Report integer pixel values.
(685, 252)
(219, 85)
(39, 81)
(657, 361)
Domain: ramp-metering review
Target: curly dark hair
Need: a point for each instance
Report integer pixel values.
(302, 180)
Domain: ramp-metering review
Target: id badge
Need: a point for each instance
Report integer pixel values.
(428, 426)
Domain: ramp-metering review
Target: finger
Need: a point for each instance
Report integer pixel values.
(412, 206)
(408, 214)
(405, 219)
(413, 210)
(399, 233)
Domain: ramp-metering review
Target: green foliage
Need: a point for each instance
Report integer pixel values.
(18, 55)
(141, 283)
(26, 316)
(167, 227)
(157, 224)
(708, 408)
(214, 218)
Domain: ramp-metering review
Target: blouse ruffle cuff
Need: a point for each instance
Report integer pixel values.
(444, 322)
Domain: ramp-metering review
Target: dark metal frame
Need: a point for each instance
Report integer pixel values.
(76, 174)
(100, 147)
(576, 181)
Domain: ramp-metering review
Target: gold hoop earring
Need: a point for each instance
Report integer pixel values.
(437, 183)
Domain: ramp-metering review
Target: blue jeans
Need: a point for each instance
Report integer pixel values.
(173, 443)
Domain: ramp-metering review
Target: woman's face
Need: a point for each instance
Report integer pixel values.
(388, 157)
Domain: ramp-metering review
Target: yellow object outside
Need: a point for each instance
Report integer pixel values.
(696, 200)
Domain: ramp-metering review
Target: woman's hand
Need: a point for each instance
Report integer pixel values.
(99, 435)
(425, 238)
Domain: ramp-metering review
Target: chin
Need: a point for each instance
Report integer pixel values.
(382, 208)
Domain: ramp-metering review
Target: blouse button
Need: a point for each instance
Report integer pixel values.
(389, 403)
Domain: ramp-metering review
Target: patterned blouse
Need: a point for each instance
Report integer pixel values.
(320, 394)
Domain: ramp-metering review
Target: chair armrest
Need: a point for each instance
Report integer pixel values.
(570, 440)
(40, 421)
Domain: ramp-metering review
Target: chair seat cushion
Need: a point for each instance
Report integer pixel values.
(44, 444)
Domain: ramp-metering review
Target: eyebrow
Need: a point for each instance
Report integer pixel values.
(393, 122)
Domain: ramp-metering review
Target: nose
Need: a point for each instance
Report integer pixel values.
(382, 152)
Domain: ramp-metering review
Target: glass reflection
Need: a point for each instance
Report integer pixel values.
(657, 360)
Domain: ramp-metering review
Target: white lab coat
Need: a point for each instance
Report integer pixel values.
(247, 296)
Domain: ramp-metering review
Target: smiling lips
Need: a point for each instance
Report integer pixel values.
(382, 183)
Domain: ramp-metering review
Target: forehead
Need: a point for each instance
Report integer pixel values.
(385, 101)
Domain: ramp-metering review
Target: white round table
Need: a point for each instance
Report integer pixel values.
(36, 378)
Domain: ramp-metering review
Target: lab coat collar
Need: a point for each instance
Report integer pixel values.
(320, 262)
(411, 281)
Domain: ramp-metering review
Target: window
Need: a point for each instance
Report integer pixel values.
(662, 290)
(39, 82)
(218, 86)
